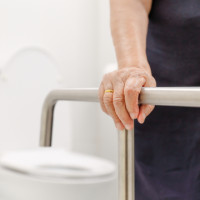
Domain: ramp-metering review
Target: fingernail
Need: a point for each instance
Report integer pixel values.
(144, 117)
(119, 126)
(128, 126)
(133, 116)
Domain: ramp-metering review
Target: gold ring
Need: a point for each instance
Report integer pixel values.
(109, 91)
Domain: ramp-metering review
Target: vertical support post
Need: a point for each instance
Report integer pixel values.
(126, 169)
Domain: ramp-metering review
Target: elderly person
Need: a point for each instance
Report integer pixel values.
(157, 40)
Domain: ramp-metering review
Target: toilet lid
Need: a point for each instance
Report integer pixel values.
(57, 163)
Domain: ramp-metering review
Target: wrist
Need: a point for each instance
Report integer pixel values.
(140, 63)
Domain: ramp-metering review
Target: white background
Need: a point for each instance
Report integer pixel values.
(73, 37)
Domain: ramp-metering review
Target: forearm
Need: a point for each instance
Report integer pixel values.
(129, 22)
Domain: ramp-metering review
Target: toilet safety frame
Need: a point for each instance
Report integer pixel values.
(163, 96)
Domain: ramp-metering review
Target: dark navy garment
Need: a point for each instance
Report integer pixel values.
(167, 145)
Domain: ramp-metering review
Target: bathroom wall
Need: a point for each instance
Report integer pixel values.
(74, 38)
(106, 62)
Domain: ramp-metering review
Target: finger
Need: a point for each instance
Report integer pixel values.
(108, 102)
(119, 105)
(145, 110)
(101, 94)
(132, 90)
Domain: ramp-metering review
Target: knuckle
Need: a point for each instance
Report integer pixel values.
(132, 90)
(128, 90)
(142, 79)
(107, 100)
(136, 90)
(118, 101)
(144, 74)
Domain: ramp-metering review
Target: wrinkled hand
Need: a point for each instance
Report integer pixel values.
(122, 104)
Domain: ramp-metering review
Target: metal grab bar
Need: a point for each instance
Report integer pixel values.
(168, 96)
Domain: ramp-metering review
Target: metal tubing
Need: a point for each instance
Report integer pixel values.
(126, 169)
(177, 96)
(171, 96)
(87, 95)
(185, 96)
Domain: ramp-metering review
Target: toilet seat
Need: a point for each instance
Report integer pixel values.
(57, 164)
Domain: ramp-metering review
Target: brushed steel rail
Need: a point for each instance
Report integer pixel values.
(165, 96)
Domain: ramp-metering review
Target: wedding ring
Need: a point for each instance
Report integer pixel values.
(109, 91)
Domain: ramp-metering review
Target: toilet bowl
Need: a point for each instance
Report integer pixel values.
(55, 174)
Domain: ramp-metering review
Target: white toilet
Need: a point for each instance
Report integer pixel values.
(43, 173)
(55, 174)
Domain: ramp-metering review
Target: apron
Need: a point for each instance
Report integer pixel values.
(167, 145)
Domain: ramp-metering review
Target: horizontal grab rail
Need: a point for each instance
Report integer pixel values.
(165, 96)
(171, 96)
